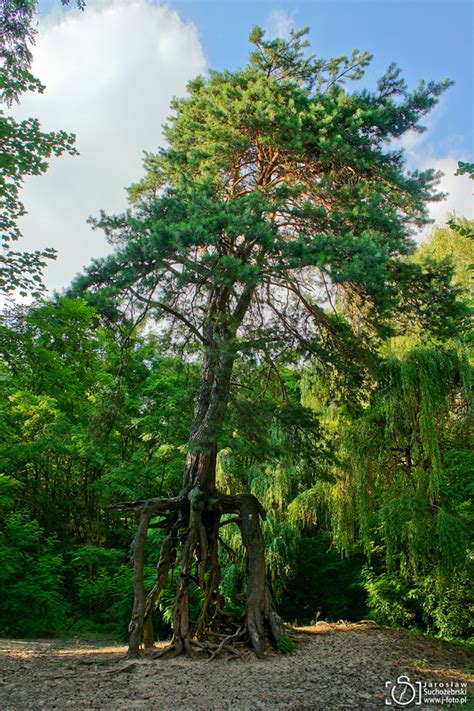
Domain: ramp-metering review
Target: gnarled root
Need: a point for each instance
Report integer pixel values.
(191, 542)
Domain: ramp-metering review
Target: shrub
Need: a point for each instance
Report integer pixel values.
(32, 603)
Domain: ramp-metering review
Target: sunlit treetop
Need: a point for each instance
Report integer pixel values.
(279, 207)
(287, 118)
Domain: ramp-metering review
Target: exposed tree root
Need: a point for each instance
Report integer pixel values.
(192, 522)
(224, 643)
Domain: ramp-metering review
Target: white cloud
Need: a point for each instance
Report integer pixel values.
(411, 141)
(110, 73)
(459, 189)
(280, 23)
(422, 153)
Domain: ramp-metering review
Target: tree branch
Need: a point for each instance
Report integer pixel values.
(172, 312)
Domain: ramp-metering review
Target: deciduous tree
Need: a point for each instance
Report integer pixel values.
(25, 148)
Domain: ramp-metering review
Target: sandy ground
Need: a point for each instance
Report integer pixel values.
(337, 666)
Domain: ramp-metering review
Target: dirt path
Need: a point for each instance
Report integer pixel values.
(335, 667)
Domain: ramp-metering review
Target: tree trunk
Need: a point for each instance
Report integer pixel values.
(192, 532)
(209, 414)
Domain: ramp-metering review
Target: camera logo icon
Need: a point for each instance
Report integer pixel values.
(403, 692)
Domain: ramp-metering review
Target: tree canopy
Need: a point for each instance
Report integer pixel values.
(279, 189)
(25, 148)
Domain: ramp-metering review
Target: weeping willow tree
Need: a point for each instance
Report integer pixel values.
(402, 483)
(276, 194)
(397, 483)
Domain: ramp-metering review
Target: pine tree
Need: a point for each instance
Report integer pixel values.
(276, 197)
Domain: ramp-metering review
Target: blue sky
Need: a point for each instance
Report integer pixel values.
(112, 70)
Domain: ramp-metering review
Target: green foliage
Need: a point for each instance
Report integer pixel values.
(448, 603)
(402, 487)
(231, 207)
(396, 486)
(31, 578)
(285, 645)
(18, 34)
(465, 228)
(444, 606)
(465, 169)
(401, 481)
(100, 582)
(281, 547)
(26, 149)
(391, 598)
(166, 604)
(273, 447)
(312, 507)
(232, 245)
(453, 244)
(87, 416)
